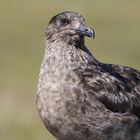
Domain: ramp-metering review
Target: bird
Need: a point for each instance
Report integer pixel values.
(80, 98)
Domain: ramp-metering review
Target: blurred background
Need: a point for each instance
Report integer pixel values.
(22, 24)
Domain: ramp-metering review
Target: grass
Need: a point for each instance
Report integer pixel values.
(22, 25)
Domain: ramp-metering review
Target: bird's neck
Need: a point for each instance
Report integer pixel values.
(70, 53)
(60, 46)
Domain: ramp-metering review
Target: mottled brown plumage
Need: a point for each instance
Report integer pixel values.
(80, 98)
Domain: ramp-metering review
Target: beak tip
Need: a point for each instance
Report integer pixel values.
(90, 32)
(93, 35)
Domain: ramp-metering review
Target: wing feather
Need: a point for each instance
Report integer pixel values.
(117, 87)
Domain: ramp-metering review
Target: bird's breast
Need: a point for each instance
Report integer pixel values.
(60, 96)
(58, 79)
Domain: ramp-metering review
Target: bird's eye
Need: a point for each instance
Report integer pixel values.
(64, 21)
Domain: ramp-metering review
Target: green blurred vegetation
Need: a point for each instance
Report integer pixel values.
(22, 25)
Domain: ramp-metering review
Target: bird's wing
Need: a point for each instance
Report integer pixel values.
(118, 88)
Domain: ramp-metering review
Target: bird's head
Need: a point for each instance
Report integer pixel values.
(68, 27)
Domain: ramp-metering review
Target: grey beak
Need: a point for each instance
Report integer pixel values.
(85, 31)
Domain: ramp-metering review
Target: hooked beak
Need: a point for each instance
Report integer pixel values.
(85, 31)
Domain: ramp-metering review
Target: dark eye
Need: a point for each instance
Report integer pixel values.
(64, 21)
